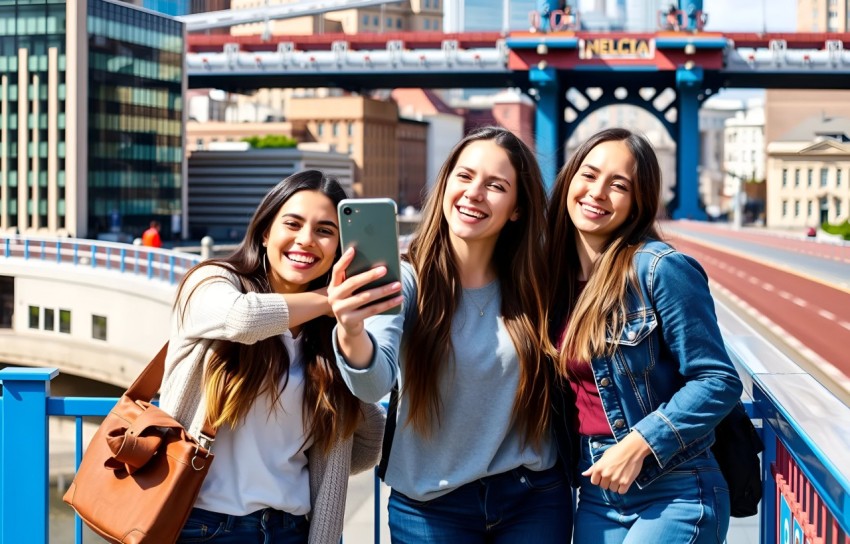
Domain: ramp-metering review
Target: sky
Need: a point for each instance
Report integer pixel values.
(751, 15)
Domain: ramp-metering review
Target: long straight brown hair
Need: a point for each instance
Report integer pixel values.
(599, 311)
(518, 259)
(238, 373)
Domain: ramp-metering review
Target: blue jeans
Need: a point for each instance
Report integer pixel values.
(516, 507)
(689, 504)
(261, 527)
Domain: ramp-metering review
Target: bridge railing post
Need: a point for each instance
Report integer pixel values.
(24, 454)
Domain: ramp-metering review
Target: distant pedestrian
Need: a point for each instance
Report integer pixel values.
(151, 237)
(640, 350)
(672, 22)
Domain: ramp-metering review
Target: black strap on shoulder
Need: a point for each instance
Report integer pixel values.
(389, 431)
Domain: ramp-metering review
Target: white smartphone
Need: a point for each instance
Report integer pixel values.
(370, 226)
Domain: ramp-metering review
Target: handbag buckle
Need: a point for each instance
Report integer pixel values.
(205, 442)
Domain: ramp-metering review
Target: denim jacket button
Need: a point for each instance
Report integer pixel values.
(619, 424)
(631, 335)
(604, 382)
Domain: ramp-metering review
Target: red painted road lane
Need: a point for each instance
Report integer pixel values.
(825, 250)
(815, 314)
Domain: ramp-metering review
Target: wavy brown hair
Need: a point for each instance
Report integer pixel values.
(238, 373)
(518, 259)
(600, 309)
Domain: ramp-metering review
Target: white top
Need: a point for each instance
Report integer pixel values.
(261, 464)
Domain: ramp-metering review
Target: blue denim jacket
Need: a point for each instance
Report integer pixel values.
(670, 378)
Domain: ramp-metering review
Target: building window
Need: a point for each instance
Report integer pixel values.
(837, 208)
(335, 130)
(320, 129)
(427, 24)
(784, 208)
(784, 178)
(398, 24)
(823, 175)
(351, 129)
(838, 177)
(797, 177)
(35, 312)
(65, 321)
(7, 301)
(365, 20)
(811, 208)
(375, 21)
(810, 178)
(796, 208)
(98, 327)
(49, 319)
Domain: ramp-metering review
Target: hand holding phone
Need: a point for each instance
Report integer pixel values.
(370, 226)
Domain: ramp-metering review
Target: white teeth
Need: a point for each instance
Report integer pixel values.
(474, 213)
(306, 259)
(594, 209)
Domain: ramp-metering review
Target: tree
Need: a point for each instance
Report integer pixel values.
(271, 141)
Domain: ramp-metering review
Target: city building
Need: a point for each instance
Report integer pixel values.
(225, 187)
(181, 7)
(412, 163)
(809, 174)
(786, 109)
(363, 128)
(445, 125)
(91, 119)
(712, 171)
(823, 15)
(487, 15)
(409, 15)
(744, 159)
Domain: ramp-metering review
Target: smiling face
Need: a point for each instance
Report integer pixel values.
(301, 242)
(600, 194)
(481, 193)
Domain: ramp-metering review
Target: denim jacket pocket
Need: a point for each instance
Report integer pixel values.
(636, 351)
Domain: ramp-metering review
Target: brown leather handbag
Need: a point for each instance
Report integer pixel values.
(142, 471)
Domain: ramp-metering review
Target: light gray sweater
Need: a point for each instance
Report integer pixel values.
(477, 436)
(220, 311)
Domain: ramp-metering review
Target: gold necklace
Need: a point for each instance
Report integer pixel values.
(468, 294)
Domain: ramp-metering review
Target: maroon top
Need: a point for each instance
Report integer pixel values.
(591, 414)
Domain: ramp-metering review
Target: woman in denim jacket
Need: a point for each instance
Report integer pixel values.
(642, 353)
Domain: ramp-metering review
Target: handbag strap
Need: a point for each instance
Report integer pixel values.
(147, 384)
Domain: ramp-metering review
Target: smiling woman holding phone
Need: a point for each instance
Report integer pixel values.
(472, 457)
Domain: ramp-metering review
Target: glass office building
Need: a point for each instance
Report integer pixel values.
(486, 15)
(100, 85)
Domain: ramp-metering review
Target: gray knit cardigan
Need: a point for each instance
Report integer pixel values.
(220, 311)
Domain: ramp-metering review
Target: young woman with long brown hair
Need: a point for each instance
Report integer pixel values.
(250, 350)
(641, 350)
(472, 459)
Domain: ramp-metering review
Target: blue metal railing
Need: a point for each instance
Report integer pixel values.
(161, 264)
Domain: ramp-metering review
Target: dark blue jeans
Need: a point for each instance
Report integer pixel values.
(261, 527)
(516, 507)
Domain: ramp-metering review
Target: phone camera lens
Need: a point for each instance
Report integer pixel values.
(346, 210)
